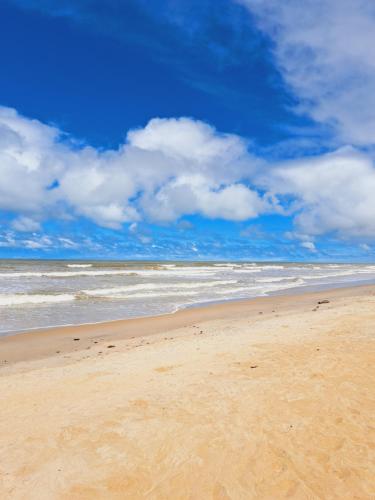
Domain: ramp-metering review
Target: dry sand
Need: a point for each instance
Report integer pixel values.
(267, 399)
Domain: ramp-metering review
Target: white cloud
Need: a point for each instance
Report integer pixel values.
(234, 202)
(194, 194)
(67, 243)
(323, 49)
(38, 243)
(147, 179)
(27, 147)
(191, 140)
(7, 240)
(330, 193)
(25, 224)
(309, 245)
(169, 168)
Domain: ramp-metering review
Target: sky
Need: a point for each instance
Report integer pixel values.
(226, 129)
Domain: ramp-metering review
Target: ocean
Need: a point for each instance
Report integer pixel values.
(40, 293)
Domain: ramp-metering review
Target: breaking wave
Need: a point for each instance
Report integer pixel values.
(23, 298)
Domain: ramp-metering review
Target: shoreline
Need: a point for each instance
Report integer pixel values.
(297, 290)
(47, 296)
(39, 343)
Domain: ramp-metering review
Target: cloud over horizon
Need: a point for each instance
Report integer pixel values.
(170, 168)
(176, 167)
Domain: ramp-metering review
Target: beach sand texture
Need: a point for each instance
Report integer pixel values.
(265, 399)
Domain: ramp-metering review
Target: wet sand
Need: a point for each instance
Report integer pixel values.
(270, 398)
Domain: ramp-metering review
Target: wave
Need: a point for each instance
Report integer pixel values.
(227, 264)
(152, 295)
(177, 272)
(172, 270)
(353, 273)
(260, 290)
(97, 292)
(271, 266)
(318, 276)
(20, 299)
(146, 290)
(64, 274)
(247, 270)
(290, 279)
(79, 265)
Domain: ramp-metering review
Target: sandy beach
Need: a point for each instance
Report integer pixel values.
(269, 398)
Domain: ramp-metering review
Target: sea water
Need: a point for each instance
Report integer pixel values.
(40, 293)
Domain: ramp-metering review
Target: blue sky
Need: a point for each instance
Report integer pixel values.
(187, 130)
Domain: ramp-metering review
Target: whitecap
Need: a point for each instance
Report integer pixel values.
(23, 298)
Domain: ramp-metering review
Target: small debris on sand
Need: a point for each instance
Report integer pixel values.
(254, 366)
(110, 346)
(325, 301)
(76, 339)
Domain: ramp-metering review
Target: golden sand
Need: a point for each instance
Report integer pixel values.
(264, 399)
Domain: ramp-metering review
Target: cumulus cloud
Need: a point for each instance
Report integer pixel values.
(193, 194)
(148, 178)
(187, 139)
(323, 49)
(169, 168)
(332, 193)
(29, 161)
